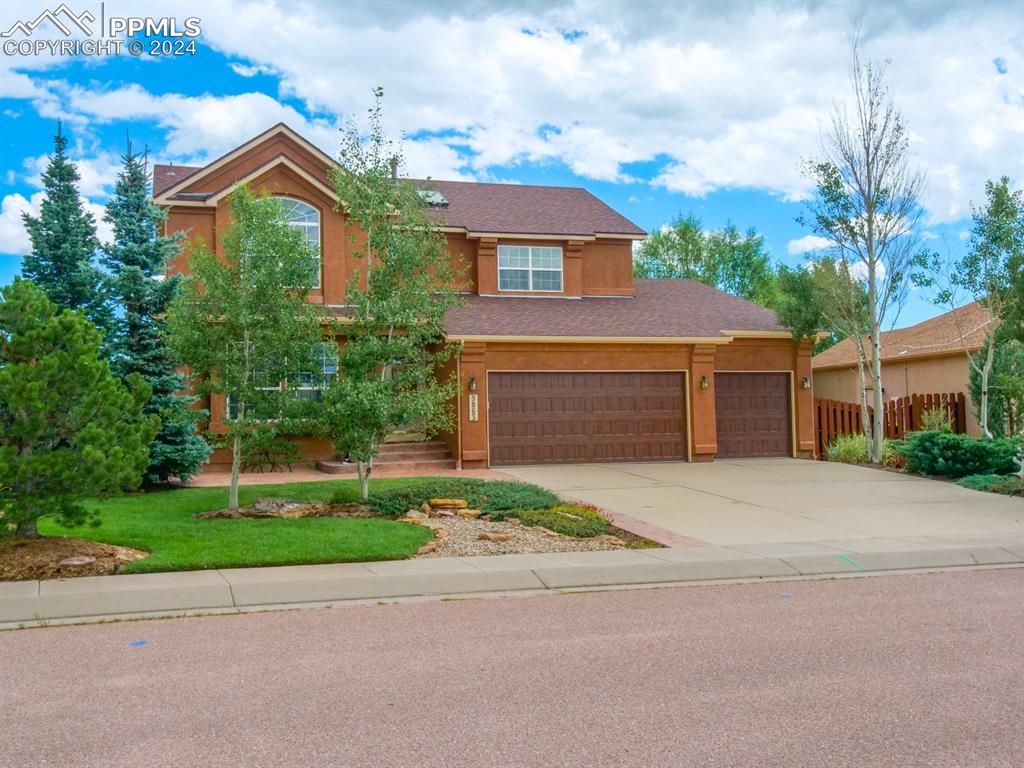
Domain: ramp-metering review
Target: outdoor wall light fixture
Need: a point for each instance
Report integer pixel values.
(806, 382)
(472, 384)
(703, 382)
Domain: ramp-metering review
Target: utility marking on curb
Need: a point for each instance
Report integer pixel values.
(854, 563)
(138, 643)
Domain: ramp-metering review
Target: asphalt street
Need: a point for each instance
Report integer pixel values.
(906, 670)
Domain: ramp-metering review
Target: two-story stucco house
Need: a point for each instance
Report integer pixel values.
(565, 357)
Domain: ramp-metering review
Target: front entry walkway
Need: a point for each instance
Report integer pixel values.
(781, 507)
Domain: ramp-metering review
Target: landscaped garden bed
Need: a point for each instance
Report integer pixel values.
(188, 528)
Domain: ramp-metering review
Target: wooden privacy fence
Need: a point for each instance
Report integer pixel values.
(899, 416)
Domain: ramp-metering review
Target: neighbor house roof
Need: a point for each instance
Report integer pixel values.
(474, 207)
(660, 309)
(939, 336)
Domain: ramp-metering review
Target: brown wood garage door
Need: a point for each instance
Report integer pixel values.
(561, 418)
(752, 414)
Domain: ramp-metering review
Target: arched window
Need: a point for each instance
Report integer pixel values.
(305, 218)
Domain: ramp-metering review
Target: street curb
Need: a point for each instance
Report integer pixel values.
(81, 600)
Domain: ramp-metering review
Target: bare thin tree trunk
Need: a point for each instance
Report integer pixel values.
(236, 464)
(986, 371)
(28, 529)
(365, 468)
(862, 390)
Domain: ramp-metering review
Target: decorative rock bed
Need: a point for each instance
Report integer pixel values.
(462, 532)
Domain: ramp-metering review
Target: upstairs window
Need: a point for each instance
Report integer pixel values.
(305, 218)
(529, 268)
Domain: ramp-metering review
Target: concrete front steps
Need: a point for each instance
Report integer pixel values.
(410, 458)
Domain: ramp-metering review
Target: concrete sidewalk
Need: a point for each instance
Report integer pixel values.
(28, 603)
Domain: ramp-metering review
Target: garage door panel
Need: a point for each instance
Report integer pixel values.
(752, 414)
(554, 418)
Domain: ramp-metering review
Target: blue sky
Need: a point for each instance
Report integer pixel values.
(657, 109)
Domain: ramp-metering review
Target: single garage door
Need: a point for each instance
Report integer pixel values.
(752, 414)
(562, 418)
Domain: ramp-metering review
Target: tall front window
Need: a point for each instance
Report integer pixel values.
(305, 218)
(529, 268)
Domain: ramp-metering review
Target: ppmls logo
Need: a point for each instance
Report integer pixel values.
(58, 18)
(148, 35)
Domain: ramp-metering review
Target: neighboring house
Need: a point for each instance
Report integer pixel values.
(565, 357)
(924, 358)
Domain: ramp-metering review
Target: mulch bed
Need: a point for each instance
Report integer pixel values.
(42, 558)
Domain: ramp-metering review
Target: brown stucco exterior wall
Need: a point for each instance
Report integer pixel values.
(609, 268)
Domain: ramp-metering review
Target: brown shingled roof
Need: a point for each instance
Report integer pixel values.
(660, 309)
(477, 207)
(938, 336)
(166, 176)
(526, 209)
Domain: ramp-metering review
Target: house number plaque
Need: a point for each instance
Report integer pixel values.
(474, 407)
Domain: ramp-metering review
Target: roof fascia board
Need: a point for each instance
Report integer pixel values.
(212, 200)
(592, 339)
(280, 128)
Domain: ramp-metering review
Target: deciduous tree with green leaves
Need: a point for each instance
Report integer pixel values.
(867, 206)
(137, 259)
(242, 323)
(393, 334)
(989, 273)
(69, 429)
(64, 242)
(730, 260)
(823, 295)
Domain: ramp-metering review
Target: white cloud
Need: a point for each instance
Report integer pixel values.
(14, 239)
(249, 71)
(806, 244)
(730, 97)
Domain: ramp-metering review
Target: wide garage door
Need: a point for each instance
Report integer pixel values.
(561, 418)
(752, 414)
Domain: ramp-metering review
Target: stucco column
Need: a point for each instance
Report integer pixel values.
(487, 265)
(804, 399)
(703, 429)
(473, 418)
(572, 268)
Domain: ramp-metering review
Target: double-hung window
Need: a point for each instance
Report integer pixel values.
(529, 268)
(305, 218)
(309, 385)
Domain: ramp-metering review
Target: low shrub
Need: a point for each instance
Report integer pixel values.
(485, 495)
(954, 456)
(936, 420)
(569, 519)
(853, 449)
(1009, 485)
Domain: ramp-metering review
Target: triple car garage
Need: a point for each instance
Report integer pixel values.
(565, 417)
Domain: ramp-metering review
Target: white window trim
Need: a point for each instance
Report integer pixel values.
(530, 269)
(303, 225)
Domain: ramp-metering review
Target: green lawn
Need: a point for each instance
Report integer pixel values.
(161, 523)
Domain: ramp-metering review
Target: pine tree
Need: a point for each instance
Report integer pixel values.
(64, 242)
(69, 429)
(136, 259)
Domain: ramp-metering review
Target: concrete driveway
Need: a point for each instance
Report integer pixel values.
(781, 507)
